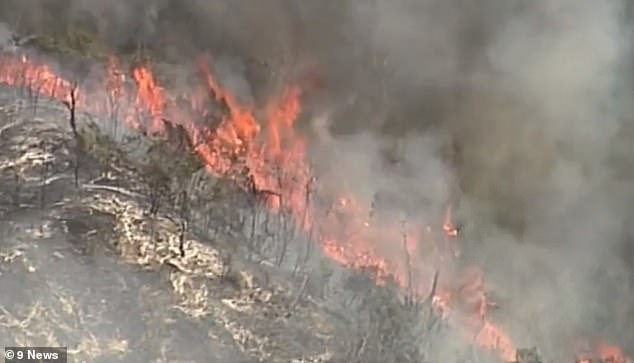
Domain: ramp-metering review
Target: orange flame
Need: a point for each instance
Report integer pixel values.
(241, 126)
(150, 97)
(37, 78)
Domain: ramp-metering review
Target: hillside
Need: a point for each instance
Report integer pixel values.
(175, 188)
(89, 265)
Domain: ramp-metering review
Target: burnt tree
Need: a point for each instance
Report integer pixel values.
(71, 105)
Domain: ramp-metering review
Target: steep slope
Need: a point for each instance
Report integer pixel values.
(89, 268)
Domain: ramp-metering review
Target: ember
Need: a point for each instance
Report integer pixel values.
(275, 155)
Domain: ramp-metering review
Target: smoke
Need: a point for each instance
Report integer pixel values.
(5, 34)
(537, 132)
(518, 109)
(538, 122)
(531, 96)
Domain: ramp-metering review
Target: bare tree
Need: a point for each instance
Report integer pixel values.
(158, 185)
(184, 221)
(181, 237)
(409, 294)
(16, 191)
(300, 293)
(283, 218)
(35, 88)
(254, 217)
(308, 190)
(159, 190)
(257, 199)
(71, 105)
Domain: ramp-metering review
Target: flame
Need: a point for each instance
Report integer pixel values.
(33, 77)
(607, 352)
(150, 97)
(588, 351)
(275, 155)
(448, 225)
(241, 126)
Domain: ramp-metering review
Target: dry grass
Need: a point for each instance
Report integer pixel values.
(202, 286)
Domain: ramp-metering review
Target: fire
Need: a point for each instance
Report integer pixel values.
(150, 97)
(241, 126)
(589, 351)
(33, 77)
(275, 155)
(448, 225)
(612, 353)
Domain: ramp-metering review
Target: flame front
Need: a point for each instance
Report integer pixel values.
(275, 155)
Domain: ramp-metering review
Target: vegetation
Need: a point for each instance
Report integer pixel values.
(73, 42)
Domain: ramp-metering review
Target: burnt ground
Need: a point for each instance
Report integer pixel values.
(85, 263)
(86, 267)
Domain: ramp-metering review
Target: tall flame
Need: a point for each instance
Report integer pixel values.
(150, 97)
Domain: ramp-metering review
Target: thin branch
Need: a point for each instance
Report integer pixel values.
(434, 286)
(112, 189)
(302, 289)
(52, 179)
(408, 265)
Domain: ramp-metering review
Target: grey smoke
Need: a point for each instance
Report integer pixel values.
(5, 36)
(529, 99)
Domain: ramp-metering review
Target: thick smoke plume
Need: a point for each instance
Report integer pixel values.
(515, 111)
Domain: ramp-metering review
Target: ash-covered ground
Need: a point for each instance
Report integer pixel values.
(86, 262)
(87, 268)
